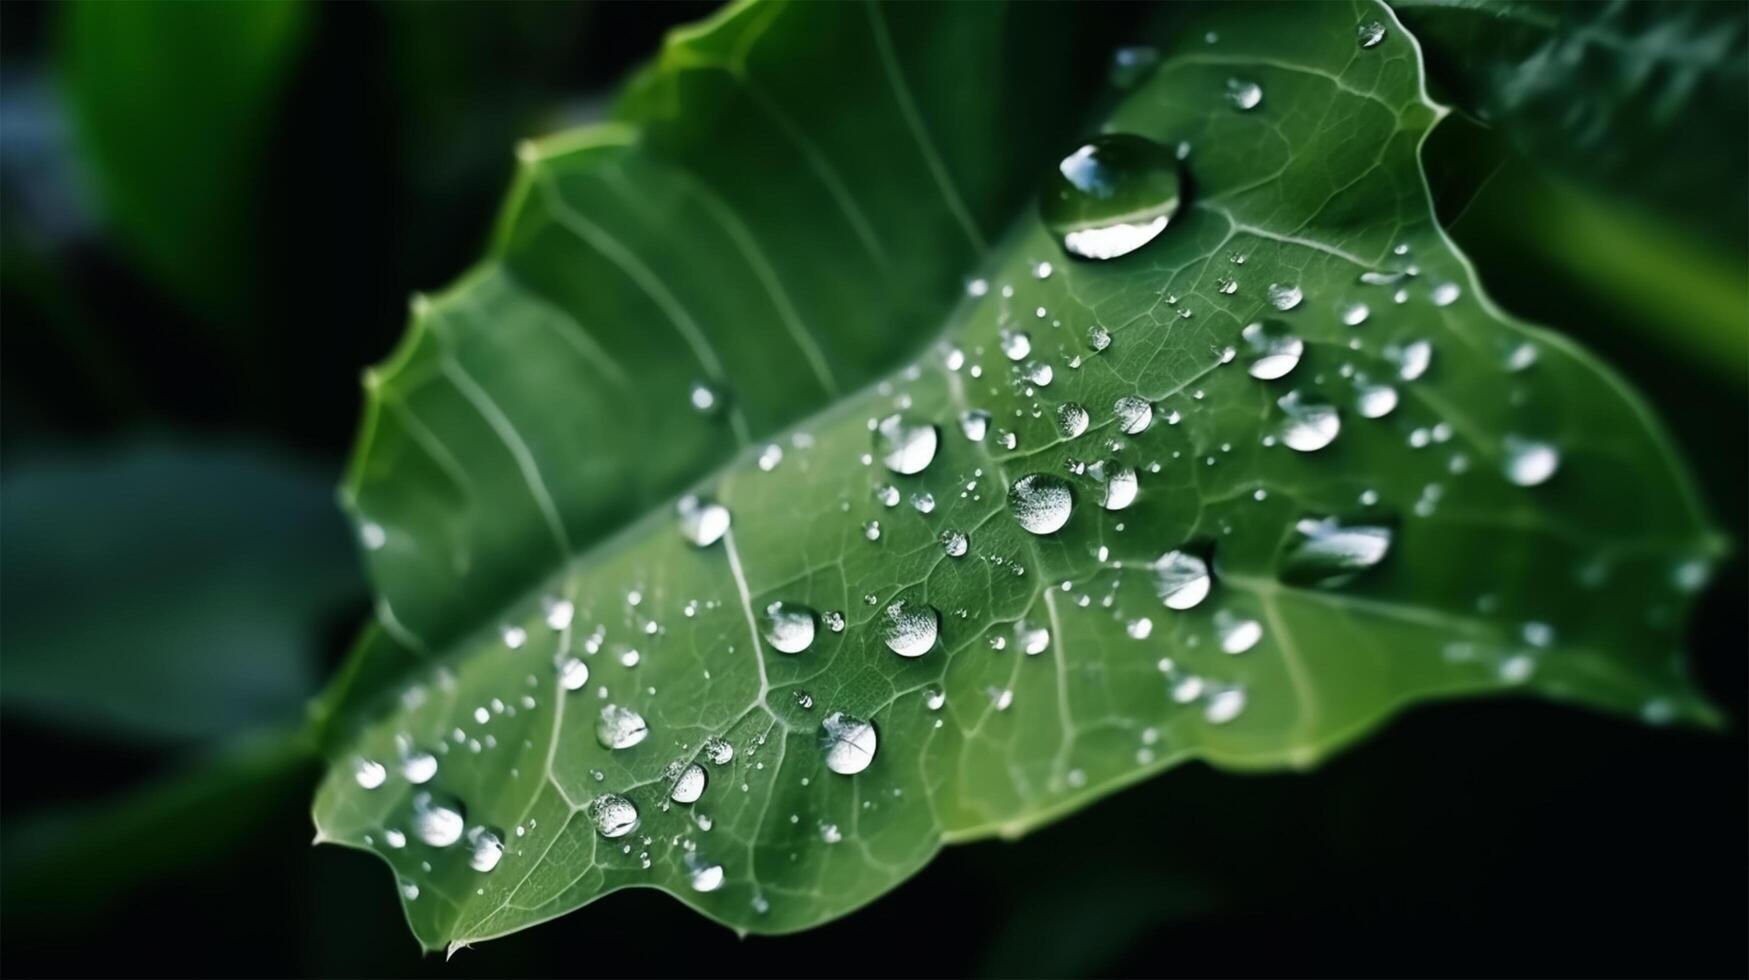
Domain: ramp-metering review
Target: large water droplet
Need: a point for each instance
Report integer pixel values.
(974, 423)
(417, 765)
(1529, 462)
(1071, 419)
(689, 785)
(1328, 552)
(905, 445)
(702, 521)
(437, 820)
(1111, 196)
(573, 673)
(1285, 296)
(620, 727)
(1413, 359)
(911, 628)
(954, 543)
(789, 627)
(1181, 579)
(1376, 401)
(1370, 33)
(849, 743)
(1237, 634)
(485, 848)
(1134, 414)
(1015, 344)
(1312, 423)
(369, 773)
(1040, 502)
(1118, 484)
(719, 750)
(1274, 347)
(613, 815)
(704, 876)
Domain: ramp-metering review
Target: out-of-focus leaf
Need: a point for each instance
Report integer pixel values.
(167, 591)
(172, 102)
(1647, 102)
(1397, 492)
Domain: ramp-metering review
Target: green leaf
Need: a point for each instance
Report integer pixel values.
(790, 204)
(172, 105)
(167, 592)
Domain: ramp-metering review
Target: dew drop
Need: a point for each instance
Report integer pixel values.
(1071, 419)
(954, 543)
(1446, 293)
(689, 785)
(1329, 552)
(834, 620)
(1015, 344)
(485, 848)
(1040, 502)
(573, 673)
(437, 821)
(1236, 633)
(1275, 350)
(1312, 423)
(1284, 296)
(974, 423)
(705, 877)
(1244, 95)
(788, 626)
(1224, 705)
(417, 765)
(1528, 462)
(702, 521)
(620, 727)
(1119, 485)
(559, 614)
(718, 750)
(369, 773)
(1132, 64)
(1098, 338)
(1035, 641)
(613, 815)
(1181, 580)
(1039, 373)
(1376, 401)
(705, 398)
(911, 628)
(1111, 196)
(1134, 414)
(1370, 33)
(934, 698)
(1413, 359)
(905, 445)
(849, 743)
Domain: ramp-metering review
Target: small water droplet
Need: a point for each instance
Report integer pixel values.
(849, 743)
(1035, 641)
(1224, 705)
(1285, 296)
(770, 456)
(1243, 94)
(1111, 196)
(417, 765)
(834, 620)
(1039, 373)
(911, 628)
(437, 820)
(1071, 419)
(705, 398)
(1529, 462)
(718, 750)
(1098, 338)
(1369, 34)
(1312, 423)
(804, 700)
(788, 626)
(620, 727)
(1134, 414)
(1015, 344)
(703, 876)
(1413, 359)
(1376, 401)
(974, 423)
(1329, 552)
(934, 698)
(1139, 628)
(690, 784)
(485, 848)
(1446, 293)
(1118, 484)
(573, 673)
(613, 815)
(1275, 350)
(954, 543)
(906, 446)
(1181, 580)
(1237, 634)
(1040, 502)
(1355, 314)
(559, 613)
(702, 521)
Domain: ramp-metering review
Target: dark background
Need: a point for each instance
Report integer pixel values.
(1480, 837)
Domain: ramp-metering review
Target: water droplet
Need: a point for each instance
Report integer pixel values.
(613, 815)
(789, 627)
(1376, 401)
(559, 614)
(409, 890)
(514, 637)
(718, 750)
(905, 445)
(1528, 462)
(1236, 633)
(834, 620)
(1035, 641)
(1132, 64)
(417, 765)
(702, 521)
(1111, 196)
(1040, 502)
(1275, 349)
(1118, 484)
(437, 820)
(1446, 293)
(705, 398)
(1355, 314)
(911, 628)
(1245, 95)
(1328, 552)
(977, 287)
(1139, 628)
(372, 535)
(486, 848)
(1071, 419)
(1521, 356)
(934, 698)
(1312, 423)
(704, 877)
(1224, 705)
(1413, 359)
(573, 673)
(1181, 580)
(369, 773)
(620, 727)
(1284, 296)
(954, 543)
(1098, 338)
(974, 423)
(1134, 414)
(1016, 344)
(872, 530)
(849, 743)
(1039, 373)
(689, 785)
(770, 456)
(1370, 33)
(804, 700)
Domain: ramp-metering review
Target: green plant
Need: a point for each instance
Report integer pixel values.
(1022, 526)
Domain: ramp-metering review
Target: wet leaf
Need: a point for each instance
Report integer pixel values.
(940, 607)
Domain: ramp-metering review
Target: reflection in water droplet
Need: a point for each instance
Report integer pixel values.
(974, 423)
(1071, 420)
(1312, 423)
(1370, 33)
(954, 543)
(905, 445)
(849, 743)
(1328, 552)
(1244, 95)
(486, 848)
(1134, 414)
(1040, 502)
(613, 815)
(911, 628)
(1181, 579)
(573, 674)
(369, 773)
(702, 521)
(1284, 295)
(789, 626)
(1274, 347)
(437, 820)
(689, 785)
(1376, 401)
(1119, 484)
(620, 727)
(1528, 462)
(1111, 196)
